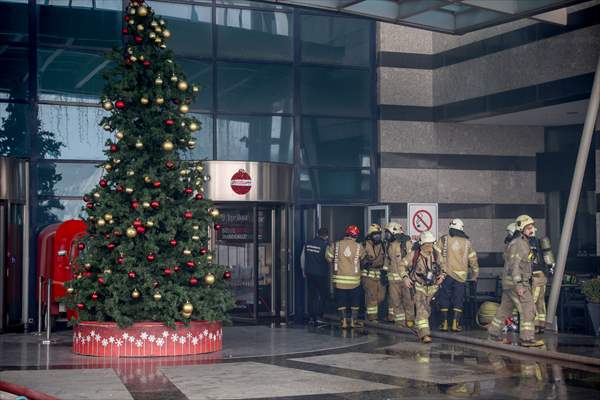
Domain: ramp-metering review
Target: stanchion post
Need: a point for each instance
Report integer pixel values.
(40, 298)
(48, 311)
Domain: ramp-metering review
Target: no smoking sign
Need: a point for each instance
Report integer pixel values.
(422, 217)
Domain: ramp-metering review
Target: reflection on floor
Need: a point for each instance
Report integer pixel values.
(259, 362)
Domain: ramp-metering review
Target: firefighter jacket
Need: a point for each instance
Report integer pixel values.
(345, 256)
(394, 255)
(374, 259)
(459, 255)
(416, 265)
(518, 259)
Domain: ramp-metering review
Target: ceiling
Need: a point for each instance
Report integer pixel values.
(448, 16)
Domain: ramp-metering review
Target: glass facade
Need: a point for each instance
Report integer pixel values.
(278, 84)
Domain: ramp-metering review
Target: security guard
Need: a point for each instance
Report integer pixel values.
(426, 274)
(401, 308)
(316, 270)
(345, 256)
(371, 273)
(459, 255)
(516, 289)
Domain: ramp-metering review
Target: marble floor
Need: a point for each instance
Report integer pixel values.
(260, 362)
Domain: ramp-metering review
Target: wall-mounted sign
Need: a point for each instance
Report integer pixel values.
(422, 217)
(237, 225)
(241, 182)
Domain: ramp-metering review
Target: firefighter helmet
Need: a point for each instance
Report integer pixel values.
(352, 230)
(457, 224)
(486, 313)
(427, 237)
(511, 228)
(394, 228)
(374, 228)
(522, 221)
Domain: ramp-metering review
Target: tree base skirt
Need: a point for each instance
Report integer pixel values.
(146, 339)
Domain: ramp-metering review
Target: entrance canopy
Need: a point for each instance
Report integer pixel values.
(448, 16)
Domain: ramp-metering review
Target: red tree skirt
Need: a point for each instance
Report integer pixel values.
(146, 339)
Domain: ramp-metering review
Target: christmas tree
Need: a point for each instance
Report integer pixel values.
(145, 257)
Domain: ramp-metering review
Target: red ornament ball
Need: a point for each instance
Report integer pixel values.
(199, 196)
(218, 227)
(107, 236)
(190, 264)
(111, 246)
(114, 148)
(120, 260)
(176, 268)
(147, 63)
(155, 204)
(134, 204)
(101, 280)
(187, 215)
(103, 183)
(156, 184)
(168, 271)
(227, 275)
(169, 122)
(87, 274)
(81, 246)
(127, 17)
(150, 257)
(125, 31)
(193, 281)
(89, 206)
(137, 222)
(188, 190)
(138, 39)
(173, 242)
(95, 296)
(203, 251)
(132, 274)
(81, 306)
(120, 104)
(120, 189)
(140, 229)
(170, 164)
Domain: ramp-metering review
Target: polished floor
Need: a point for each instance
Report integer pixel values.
(260, 362)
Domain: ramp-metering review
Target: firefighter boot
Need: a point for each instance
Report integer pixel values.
(444, 316)
(426, 339)
(410, 323)
(456, 322)
(354, 322)
(343, 319)
(532, 343)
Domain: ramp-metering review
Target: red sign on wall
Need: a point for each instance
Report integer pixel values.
(241, 182)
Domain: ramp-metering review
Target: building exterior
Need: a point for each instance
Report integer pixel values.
(352, 112)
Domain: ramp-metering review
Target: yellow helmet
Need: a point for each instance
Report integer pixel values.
(522, 221)
(394, 227)
(373, 228)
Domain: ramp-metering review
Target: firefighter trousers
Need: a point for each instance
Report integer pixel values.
(374, 294)
(538, 287)
(423, 296)
(401, 303)
(525, 307)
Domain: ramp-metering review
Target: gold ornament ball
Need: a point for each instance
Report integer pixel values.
(142, 11)
(173, 78)
(144, 100)
(153, 23)
(195, 89)
(149, 224)
(111, 221)
(117, 160)
(157, 29)
(158, 81)
(184, 108)
(131, 232)
(107, 167)
(101, 223)
(195, 227)
(133, 58)
(106, 127)
(132, 11)
(135, 294)
(199, 168)
(152, 35)
(147, 179)
(108, 271)
(139, 145)
(163, 46)
(157, 296)
(70, 290)
(209, 258)
(195, 238)
(159, 100)
(168, 145)
(194, 127)
(140, 27)
(187, 252)
(191, 144)
(87, 266)
(128, 190)
(107, 105)
(187, 308)
(96, 195)
(120, 135)
(214, 212)
(186, 315)
(131, 22)
(184, 172)
(161, 21)
(166, 33)
(130, 172)
(108, 216)
(145, 204)
(209, 279)
(183, 86)
(157, 40)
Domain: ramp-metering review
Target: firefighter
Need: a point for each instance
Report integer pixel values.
(401, 308)
(459, 256)
(426, 274)
(516, 289)
(543, 265)
(316, 271)
(371, 273)
(345, 256)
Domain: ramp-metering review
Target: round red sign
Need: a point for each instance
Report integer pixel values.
(241, 182)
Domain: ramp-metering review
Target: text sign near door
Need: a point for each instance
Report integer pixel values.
(422, 217)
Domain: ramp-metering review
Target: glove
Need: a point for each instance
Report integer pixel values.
(383, 277)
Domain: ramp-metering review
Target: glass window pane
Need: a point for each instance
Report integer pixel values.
(87, 23)
(253, 4)
(14, 72)
(335, 40)
(14, 20)
(14, 131)
(335, 91)
(76, 129)
(204, 139)
(244, 87)
(71, 74)
(190, 27)
(336, 142)
(200, 73)
(255, 34)
(56, 210)
(346, 185)
(255, 138)
(67, 179)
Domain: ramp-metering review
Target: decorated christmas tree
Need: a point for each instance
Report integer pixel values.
(146, 255)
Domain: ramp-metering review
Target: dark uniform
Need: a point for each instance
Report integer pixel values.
(316, 269)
